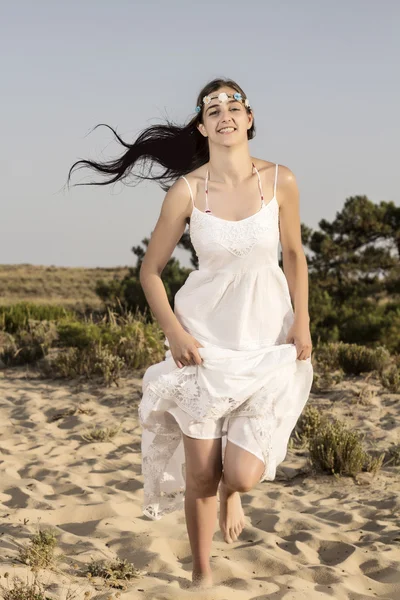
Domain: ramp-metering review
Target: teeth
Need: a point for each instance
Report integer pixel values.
(227, 129)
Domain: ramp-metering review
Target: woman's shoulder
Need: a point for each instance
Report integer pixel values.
(267, 170)
(267, 166)
(197, 174)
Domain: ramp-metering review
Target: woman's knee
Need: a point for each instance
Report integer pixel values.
(203, 465)
(240, 482)
(204, 481)
(242, 469)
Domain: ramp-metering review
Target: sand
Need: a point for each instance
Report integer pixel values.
(307, 536)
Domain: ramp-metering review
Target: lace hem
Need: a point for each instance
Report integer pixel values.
(164, 474)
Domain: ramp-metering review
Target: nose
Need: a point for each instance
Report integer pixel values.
(226, 117)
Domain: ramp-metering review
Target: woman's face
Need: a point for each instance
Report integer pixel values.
(225, 123)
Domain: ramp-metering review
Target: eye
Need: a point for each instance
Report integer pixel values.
(216, 111)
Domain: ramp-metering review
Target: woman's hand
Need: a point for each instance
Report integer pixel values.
(183, 348)
(299, 334)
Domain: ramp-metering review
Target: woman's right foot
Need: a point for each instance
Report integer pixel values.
(202, 579)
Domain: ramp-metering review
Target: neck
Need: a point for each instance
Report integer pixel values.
(230, 166)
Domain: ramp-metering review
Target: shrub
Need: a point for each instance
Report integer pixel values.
(324, 380)
(130, 337)
(15, 317)
(23, 590)
(355, 359)
(97, 434)
(392, 456)
(77, 334)
(114, 572)
(308, 424)
(40, 552)
(327, 356)
(351, 358)
(28, 346)
(390, 378)
(141, 344)
(8, 346)
(88, 362)
(339, 451)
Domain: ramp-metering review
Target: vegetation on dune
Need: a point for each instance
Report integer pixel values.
(354, 285)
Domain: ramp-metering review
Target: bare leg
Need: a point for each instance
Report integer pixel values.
(242, 471)
(203, 473)
(231, 515)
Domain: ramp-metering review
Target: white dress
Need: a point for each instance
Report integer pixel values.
(250, 387)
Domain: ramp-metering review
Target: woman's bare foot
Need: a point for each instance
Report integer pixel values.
(231, 515)
(202, 579)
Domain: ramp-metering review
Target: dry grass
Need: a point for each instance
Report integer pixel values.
(99, 434)
(70, 287)
(71, 412)
(39, 554)
(15, 589)
(115, 573)
(34, 588)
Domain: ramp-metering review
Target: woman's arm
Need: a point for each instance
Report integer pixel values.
(293, 257)
(294, 260)
(167, 233)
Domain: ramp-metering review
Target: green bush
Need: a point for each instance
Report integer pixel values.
(309, 423)
(327, 356)
(40, 552)
(390, 378)
(354, 359)
(114, 572)
(16, 317)
(324, 380)
(28, 346)
(339, 451)
(141, 344)
(89, 362)
(351, 358)
(131, 338)
(78, 334)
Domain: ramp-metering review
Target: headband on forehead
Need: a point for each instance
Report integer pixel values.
(223, 97)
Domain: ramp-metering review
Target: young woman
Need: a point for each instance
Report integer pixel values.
(218, 411)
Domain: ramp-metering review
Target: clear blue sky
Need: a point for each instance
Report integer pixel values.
(321, 76)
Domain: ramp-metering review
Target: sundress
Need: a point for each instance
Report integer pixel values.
(250, 388)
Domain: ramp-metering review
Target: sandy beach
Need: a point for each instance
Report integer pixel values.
(308, 536)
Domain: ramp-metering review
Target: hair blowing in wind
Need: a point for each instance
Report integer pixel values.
(177, 149)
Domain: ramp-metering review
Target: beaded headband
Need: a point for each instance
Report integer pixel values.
(223, 97)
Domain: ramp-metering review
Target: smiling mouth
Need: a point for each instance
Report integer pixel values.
(227, 130)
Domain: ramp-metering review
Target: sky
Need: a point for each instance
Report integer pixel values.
(322, 78)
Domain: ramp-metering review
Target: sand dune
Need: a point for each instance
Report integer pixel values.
(307, 536)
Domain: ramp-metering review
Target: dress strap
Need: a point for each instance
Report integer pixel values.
(190, 189)
(207, 210)
(259, 183)
(276, 178)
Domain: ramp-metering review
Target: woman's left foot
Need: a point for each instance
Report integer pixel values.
(231, 515)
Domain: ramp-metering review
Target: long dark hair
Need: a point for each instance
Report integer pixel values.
(179, 149)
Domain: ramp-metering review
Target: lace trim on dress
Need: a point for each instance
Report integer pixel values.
(237, 237)
(184, 390)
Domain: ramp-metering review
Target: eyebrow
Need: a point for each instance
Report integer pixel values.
(229, 102)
